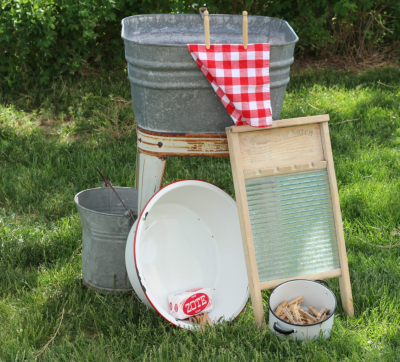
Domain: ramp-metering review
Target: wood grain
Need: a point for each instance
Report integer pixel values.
(283, 123)
(245, 227)
(245, 26)
(281, 147)
(344, 280)
(206, 30)
(289, 146)
(321, 275)
(285, 170)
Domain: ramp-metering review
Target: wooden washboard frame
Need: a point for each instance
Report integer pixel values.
(288, 147)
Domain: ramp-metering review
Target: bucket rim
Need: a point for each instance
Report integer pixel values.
(303, 280)
(97, 212)
(197, 15)
(145, 288)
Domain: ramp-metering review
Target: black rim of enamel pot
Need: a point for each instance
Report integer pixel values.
(318, 281)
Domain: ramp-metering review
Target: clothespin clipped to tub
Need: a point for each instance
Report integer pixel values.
(245, 27)
(207, 29)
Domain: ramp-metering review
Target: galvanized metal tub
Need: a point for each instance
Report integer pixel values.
(105, 229)
(169, 92)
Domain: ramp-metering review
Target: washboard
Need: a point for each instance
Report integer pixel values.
(288, 206)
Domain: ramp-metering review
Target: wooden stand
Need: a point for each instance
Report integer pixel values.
(154, 148)
(288, 147)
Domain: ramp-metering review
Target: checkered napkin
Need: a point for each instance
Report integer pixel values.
(240, 77)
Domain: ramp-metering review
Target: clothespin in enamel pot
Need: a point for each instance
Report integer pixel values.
(207, 29)
(245, 37)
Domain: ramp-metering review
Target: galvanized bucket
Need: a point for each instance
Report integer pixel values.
(169, 92)
(105, 229)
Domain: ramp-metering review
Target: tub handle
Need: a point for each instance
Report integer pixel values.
(201, 12)
(282, 331)
(323, 282)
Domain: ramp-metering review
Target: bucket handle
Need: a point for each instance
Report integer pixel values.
(128, 212)
(323, 282)
(282, 331)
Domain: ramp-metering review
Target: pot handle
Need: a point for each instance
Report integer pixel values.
(282, 331)
(323, 282)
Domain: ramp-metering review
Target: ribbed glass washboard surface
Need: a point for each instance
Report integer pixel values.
(292, 224)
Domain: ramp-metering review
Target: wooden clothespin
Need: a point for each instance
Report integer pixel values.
(321, 313)
(288, 315)
(279, 310)
(295, 309)
(297, 300)
(245, 37)
(207, 29)
(308, 316)
(313, 310)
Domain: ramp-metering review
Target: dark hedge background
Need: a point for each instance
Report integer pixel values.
(43, 39)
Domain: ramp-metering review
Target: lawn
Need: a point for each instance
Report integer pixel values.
(53, 138)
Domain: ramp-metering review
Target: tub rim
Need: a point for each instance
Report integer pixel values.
(196, 15)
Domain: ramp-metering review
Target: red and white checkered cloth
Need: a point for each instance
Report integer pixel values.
(240, 77)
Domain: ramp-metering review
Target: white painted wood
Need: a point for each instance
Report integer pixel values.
(149, 177)
(137, 169)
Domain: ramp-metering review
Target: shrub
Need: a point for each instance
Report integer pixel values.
(43, 38)
(325, 26)
(40, 39)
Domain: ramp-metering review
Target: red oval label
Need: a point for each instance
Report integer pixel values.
(195, 304)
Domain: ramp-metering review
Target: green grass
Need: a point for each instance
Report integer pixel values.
(52, 140)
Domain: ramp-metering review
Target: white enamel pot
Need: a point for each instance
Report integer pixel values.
(314, 294)
(188, 236)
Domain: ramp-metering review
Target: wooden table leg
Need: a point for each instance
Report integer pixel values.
(149, 176)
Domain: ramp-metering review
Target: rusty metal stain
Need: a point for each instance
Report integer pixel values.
(171, 144)
(207, 146)
(158, 141)
(161, 155)
(149, 143)
(184, 135)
